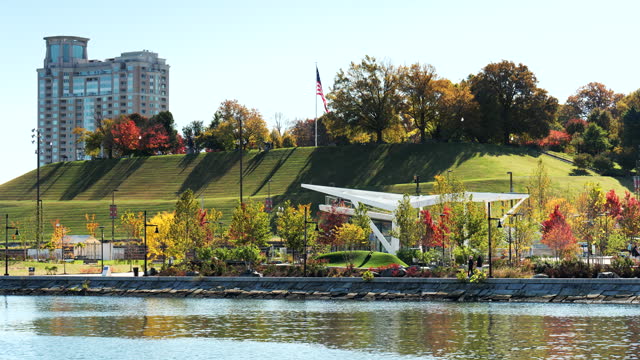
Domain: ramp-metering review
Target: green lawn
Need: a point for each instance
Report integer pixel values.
(71, 189)
(377, 259)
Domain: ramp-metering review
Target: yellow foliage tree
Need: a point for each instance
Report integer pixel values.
(161, 245)
(92, 224)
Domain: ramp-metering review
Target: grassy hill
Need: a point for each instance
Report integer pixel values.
(71, 189)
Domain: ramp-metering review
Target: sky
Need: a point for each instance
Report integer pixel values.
(264, 53)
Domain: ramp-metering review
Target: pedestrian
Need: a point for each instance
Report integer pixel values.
(479, 266)
(470, 271)
(634, 251)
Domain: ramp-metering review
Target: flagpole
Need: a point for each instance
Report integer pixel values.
(315, 122)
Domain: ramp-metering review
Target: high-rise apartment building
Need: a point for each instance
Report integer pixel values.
(74, 91)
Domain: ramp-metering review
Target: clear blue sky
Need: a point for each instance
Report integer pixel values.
(263, 52)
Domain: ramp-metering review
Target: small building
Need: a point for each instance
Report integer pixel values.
(81, 246)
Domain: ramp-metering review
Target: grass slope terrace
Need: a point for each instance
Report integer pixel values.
(71, 189)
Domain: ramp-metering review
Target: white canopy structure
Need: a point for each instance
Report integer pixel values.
(390, 201)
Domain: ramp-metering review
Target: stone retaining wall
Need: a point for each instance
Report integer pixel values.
(521, 290)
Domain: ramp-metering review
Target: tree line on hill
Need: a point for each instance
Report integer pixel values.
(373, 101)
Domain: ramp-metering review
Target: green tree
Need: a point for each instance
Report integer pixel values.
(193, 136)
(630, 137)
(511, 104)
(362, 219)
(594, 140)
(407, 225)
(366, 96)
(539, 187)
(187, 227)
(290, 224)
(249, 224)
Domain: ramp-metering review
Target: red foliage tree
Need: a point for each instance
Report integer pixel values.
(612, 206)
(431, 236)
(330, 222)
(125, 136)
(575, 126)
(629, 218)
(557, 234)
(154, 140)
(556, 140)
(436, 234)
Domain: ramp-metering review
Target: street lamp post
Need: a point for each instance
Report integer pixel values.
(416, 179)
(441, 220)
(6, 244)
(489, 218)
(102, 247)
(64, 263)
(510, 181)
(145, 241)
(37, 139)
(304, 258)
(113, 214)
(241, 153)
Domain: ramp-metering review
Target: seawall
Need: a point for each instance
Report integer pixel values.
(622, 291)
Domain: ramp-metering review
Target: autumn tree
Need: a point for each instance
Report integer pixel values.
(58, 235)
(329, 223)
(366, 96)
(419, 86)
(225, 126)
(590, 204)
(290, 224)
(436, 233)
(133, 223)
(304, 132)
(249, 225)
(125, 136)
(511, 104)
(187, 226)
(629, 218)
(458, 113)
(91, 224)
(587, 98)
(164, 243)
(557, 234)
(165, 121)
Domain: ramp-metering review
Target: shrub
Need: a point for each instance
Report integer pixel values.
(407, 255)
(573, 268)
(367, 276)
(602, 164)
(582, 161)
(478, 276)
(461, 275)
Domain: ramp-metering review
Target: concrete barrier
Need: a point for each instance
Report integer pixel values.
(517, 290)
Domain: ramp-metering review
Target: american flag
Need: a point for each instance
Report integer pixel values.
(319, 90)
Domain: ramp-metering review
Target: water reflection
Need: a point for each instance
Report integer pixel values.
(508, 331)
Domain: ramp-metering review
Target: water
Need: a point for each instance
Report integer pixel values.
(158, 328)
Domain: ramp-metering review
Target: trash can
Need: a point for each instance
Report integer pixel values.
(135, 271)
(32, 271)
